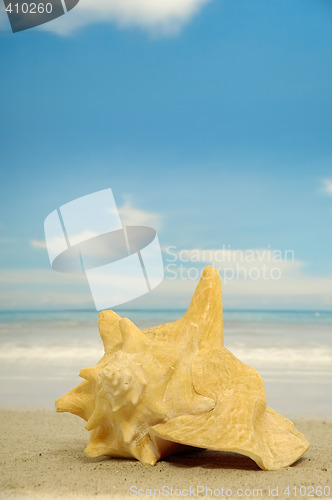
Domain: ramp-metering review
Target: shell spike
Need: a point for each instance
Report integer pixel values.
(90, 374)
(132, 337)
(205, 308)
(78, 401)
(108, 323)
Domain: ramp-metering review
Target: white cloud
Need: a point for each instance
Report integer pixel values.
(327, 186)
(131, 216)
(44, 299)
(286, 293)
(43, 288)
(156, 16)
(38, 243)
(292, 288)
(54, 245)
(40, 288)
(252, 278)
(39, 277)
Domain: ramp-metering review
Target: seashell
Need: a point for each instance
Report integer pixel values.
(176, 386)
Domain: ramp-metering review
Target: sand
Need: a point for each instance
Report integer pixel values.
(42, 457)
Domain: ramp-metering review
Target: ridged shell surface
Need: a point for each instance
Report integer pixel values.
(176, 386)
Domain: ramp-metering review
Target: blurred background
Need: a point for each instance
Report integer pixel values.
(211, 121)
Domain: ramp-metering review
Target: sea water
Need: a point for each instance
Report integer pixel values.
(41, 354)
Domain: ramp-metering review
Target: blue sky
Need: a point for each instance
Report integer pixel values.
(214, 122)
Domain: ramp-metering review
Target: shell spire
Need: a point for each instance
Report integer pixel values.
(205, 307)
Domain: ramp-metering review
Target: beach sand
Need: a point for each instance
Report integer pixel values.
(42, 457)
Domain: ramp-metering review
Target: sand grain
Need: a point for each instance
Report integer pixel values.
(42, 457)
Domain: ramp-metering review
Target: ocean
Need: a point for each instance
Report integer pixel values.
(41, 354)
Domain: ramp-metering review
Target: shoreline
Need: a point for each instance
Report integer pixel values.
(295, 395)
(43, 457)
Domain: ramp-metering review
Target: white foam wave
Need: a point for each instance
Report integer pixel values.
(51, 354)
(286, 356)
(88, 352)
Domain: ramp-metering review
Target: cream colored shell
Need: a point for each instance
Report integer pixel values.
(175, 385)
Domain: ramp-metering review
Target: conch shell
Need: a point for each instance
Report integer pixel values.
(176, 385)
